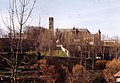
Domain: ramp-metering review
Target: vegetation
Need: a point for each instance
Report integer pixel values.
(58, 53)
(74, 69)
(112, 67)
(99, 79)
(18, 14)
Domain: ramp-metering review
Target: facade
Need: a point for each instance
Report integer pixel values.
(110, 42)
(78, 36)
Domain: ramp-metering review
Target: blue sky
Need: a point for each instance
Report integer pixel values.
(91, 14)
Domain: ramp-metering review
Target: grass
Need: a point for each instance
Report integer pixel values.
(59, 53)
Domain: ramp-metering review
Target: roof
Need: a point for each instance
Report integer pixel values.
(84, 30)
(64, 30)
(80, 29)
(117, 74)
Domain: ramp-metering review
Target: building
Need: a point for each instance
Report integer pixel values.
(81, 40)
(78, 36)
(110, 42)
(117, 77)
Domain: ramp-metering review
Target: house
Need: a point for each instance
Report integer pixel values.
(117, 77)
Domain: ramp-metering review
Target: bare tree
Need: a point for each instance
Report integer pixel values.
(1, 32)
(18, 17)
(45, 40)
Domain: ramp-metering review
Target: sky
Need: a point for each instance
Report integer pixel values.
(90, 14)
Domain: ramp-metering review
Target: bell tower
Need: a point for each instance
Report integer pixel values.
(51, 23)
(51, 27)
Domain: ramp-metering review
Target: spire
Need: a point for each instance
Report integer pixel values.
(99, 31)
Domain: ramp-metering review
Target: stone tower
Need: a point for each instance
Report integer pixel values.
(51, 23)
(51, 27)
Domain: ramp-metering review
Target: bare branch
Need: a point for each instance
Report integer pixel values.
(6, 60)
(30, 12)
(17, 15)
(22, 16)
(24, 2)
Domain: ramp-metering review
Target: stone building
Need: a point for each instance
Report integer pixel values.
(80, 36)
(79, 41)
